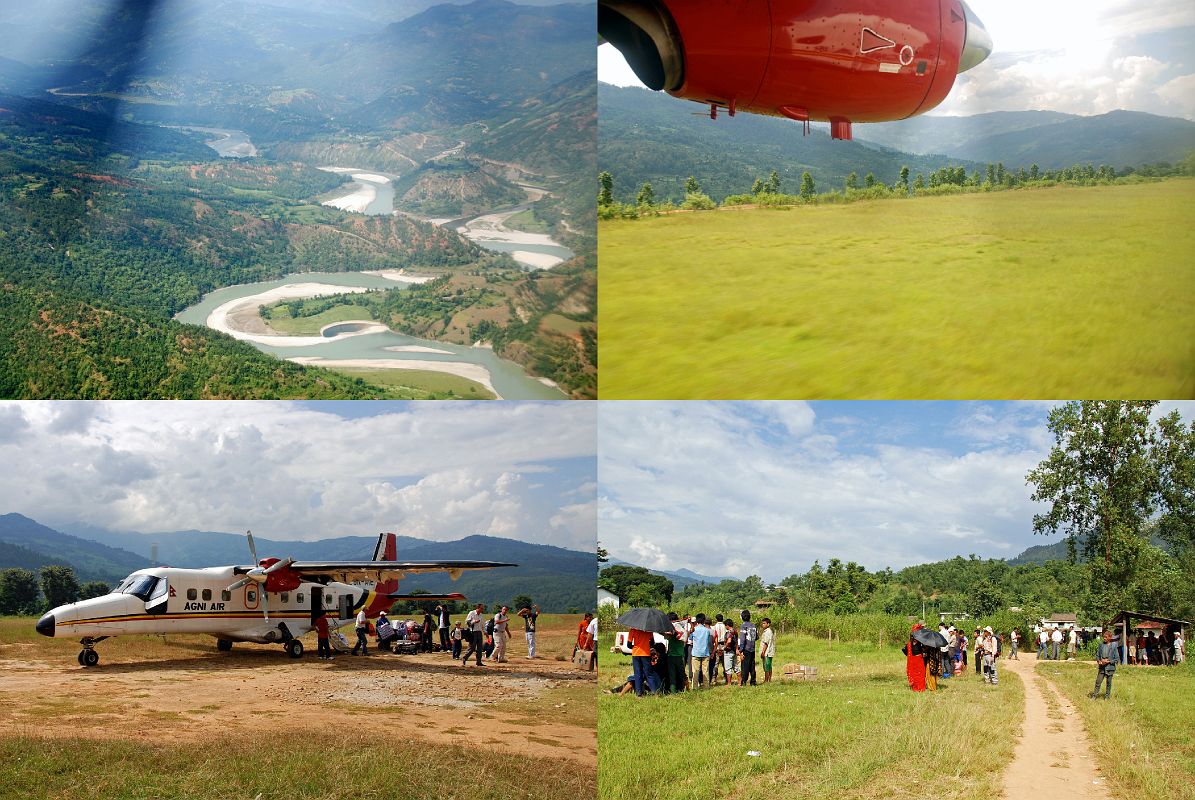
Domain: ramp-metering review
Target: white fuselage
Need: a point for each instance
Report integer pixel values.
(173, 600)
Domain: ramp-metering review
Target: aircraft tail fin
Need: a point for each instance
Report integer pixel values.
(385, 550)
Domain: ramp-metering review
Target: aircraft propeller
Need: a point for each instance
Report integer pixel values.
(260, 574)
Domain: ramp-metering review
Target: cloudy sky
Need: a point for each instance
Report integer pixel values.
(306, 470)
(735, 489)
(1076, 56)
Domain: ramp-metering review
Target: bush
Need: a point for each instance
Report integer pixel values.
(696, 201)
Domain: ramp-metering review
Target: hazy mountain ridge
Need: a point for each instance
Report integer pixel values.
(92, 561)
(556, 578)
(649, 136)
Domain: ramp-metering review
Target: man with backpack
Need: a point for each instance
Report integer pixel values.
(748, 636)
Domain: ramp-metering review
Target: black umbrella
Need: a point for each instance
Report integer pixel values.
(929, 638)
(647, 619)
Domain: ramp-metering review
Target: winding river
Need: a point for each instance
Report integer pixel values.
(361, 344)
(353, 344)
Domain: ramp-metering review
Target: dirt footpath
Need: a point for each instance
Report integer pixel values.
(1052, 758)
(534, 707)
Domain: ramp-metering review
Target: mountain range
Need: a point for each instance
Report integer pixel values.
(650, 136)
(556, 578)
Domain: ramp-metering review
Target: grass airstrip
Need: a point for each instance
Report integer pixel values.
(1057, 292)
(169, 717)
(856, 732)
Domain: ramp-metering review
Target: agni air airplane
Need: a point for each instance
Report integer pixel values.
(276, 601)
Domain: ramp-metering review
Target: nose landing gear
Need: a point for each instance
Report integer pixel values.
(88, 657)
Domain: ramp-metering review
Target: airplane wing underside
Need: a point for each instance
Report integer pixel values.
(378, 571)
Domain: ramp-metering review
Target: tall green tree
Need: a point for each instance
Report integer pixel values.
(18, 591)
(647, 196)
(692, 186)
(757, 187)
(59, 585)
(869, 180)
(904, 178)
(852, 182)
(808, 190)
(773, 184)
(1098, 475)
(606, 189)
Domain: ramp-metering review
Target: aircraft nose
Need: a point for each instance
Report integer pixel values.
(978, 45)
(45, 625)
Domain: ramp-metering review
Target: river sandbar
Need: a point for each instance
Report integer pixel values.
(234, 317)
(474, 372)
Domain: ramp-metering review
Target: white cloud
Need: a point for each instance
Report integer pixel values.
(685, 485)
(436, 470)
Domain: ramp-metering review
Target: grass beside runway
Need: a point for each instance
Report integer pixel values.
(855, 733)
(1060, 292)
(1144, 737)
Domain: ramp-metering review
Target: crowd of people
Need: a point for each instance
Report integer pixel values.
(481, 636)
(1148, 648)
(696, 651)
(926, 664)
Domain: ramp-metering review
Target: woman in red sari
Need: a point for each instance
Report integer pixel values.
(914, 662)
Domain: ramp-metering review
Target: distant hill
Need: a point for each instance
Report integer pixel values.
(556, 578)
(650, 136)
(680, 579)
(1049, 139)
(1057, 551)
(91, 561)
(205, 548)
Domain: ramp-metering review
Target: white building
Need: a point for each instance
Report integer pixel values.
(608, 598)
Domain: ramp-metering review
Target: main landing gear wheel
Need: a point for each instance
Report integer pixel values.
(223, 645)
(89, 657)
(294, 648)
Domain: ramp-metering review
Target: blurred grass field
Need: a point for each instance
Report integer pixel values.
(1144, 737)
(856, 732)
(1062, 292)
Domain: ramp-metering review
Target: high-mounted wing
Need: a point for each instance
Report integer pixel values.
(378, 571)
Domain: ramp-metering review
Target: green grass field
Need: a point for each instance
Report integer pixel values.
(1063, 292)
(1144, 737)
(855, 732)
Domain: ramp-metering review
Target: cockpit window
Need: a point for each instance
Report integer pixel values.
(143, 586)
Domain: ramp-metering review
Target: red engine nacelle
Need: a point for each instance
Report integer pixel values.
(284, 579)
(839, 61)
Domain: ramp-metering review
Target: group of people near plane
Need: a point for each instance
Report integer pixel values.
(482, 635)
(690, 656)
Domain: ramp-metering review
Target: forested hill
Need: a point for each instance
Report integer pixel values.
(557, 579)
(651, 137)
(646, 136)
(102, 241)
(91, 561)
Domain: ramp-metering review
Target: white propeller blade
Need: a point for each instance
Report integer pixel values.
(252, 548)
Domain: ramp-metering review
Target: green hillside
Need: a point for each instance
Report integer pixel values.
(1053, 292)
(647, 136)
(92, 561)
(556, 578)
